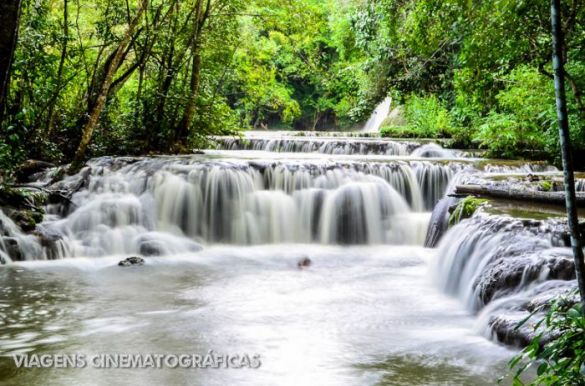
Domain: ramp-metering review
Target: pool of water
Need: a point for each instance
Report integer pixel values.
(367, 315)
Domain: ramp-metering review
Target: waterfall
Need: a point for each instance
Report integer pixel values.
(174, 204)
(15, 245)
(495, 245)
(286, 144)
(499, 265)
(378, 116)
(334, 146)
(169, 205)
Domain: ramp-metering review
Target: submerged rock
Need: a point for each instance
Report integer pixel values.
(129, 261)
(160, 244)
(508, 330)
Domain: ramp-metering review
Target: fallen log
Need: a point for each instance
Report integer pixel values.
(553, 198)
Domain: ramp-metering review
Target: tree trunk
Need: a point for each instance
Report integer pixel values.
(565, 141)
(9, 20)
(56, 92)
(96, 110)
(185, 125)
(201, 15)
(552, 198)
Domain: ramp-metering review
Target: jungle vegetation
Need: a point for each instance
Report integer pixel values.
(84, 78)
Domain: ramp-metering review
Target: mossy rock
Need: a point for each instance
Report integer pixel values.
(13, 197)
(27, 220)
(465, 209)
(546, 186)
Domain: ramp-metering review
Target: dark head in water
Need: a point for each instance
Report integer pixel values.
(304, 262)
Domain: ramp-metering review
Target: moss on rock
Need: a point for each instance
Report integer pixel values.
(465, 209)
(546, 186)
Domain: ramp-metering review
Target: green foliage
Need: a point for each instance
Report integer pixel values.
(465, 209)
(298, 72)
(546, 186)
(395, 131)
(476, 73)
(525, 117)
(558, 350)
(488, 64)
(425, 117)
(261, 65)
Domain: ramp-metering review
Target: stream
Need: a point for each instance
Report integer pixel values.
(223, 234)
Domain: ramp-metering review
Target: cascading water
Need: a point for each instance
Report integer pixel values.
(170, 205)
(317, 145)
(378, 115)
(15, 245)
(497, 265)
(224, 236)
(285, 143)
(159, 206)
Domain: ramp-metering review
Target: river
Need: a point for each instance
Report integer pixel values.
(222, 235)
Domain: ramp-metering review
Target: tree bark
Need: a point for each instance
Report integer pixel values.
(565, 141)
(55, 96)
(95, 112)
(553, 198)
(199, 22)
(185, 125)
(9, 20)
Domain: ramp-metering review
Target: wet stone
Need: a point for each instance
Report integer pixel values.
(130, 261)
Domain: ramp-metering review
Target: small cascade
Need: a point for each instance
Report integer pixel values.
(340, 146)
(433, 180)
(487, 242)
(432, 150)
(14, 244)
(378, 116)
(498, 264)
(335, 146)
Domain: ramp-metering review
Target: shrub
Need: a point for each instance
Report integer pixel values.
(558, 350)
(524, 121)
(425, 117)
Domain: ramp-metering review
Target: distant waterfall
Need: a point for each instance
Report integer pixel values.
(378, 116)
(317, 145)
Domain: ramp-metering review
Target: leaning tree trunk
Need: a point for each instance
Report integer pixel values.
(561, 101)
(201, 15)
(58, 83)
(96, 110)
(185, 125)
(9, 20)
